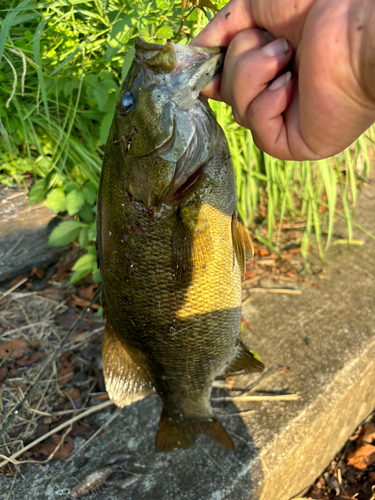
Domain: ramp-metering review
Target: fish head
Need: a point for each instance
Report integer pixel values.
(160, 123)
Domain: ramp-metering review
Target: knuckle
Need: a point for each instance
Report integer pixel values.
(246, 40)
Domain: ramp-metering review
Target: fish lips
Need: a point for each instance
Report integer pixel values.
(187, 69)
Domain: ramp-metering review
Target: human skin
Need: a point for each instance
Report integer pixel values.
(325, 100)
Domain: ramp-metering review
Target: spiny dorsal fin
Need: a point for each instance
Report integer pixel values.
(244, 360)
(180, 433)
(192, 246)
(242, 244)
(124, 380)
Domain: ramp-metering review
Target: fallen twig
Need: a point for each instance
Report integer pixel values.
(278, 397)
(57, 429)
(276, 290)
(21, 282)
(211, 458)
(289, 291)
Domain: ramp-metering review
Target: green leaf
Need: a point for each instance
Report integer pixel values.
(105, 126)
(56, 200)
(92, 233)
(86, 213)
(103, 90)
(42, 166)
(90, 193)
(74, 201)
(78, 275)
(96, 276)
(128, 59)
(85, 263)
(164, 33)
(37, 191)
(8, 22)
(38, 60)
(83, 237)
(69, 86)
(118, 37)
(25, 165)
(65, 233)
(90, 82)
(8, 181)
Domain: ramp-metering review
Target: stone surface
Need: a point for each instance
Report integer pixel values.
(24, 233)
(326, 339)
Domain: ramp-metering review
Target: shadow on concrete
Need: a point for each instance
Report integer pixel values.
(187, 474)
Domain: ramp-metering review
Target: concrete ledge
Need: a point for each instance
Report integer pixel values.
(24, 231)
(327, 339)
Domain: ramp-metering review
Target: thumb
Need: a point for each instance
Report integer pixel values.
(234, 17)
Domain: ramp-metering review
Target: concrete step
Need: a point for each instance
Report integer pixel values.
(326, 339)
(24, 231)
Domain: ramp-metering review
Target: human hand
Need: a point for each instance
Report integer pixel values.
(325, 100)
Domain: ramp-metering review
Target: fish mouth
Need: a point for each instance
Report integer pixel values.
(184, 189)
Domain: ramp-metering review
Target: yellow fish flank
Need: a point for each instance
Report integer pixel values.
(171, 245)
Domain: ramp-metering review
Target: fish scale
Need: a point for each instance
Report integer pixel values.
(171, 247)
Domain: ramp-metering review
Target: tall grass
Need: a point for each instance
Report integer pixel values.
(313, 192)
(61, 67)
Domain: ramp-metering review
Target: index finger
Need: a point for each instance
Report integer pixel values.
(230, 20)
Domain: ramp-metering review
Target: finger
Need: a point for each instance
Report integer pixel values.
(248, 72)
(242, 44)
(230, 20)
(212, 89)
(273, 118)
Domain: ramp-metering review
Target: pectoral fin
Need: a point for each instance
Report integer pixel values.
(243, 361)
(124, 380)
(192, 246)
(242, 244)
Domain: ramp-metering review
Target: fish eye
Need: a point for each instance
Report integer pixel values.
(126, 102)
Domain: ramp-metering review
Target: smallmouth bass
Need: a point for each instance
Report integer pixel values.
(171, 245)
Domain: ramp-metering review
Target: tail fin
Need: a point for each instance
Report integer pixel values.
(175, 433)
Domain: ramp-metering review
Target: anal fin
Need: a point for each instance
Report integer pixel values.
(181, 433)
(242, 244)
(125, 381)
(244, 360)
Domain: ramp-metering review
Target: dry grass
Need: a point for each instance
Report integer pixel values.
(32, 317)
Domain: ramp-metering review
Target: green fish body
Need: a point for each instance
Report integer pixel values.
(171, 245)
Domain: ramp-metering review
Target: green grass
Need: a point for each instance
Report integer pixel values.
(61, 67)
(295, 190)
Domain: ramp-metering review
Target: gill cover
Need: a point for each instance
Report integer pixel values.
(164, 129)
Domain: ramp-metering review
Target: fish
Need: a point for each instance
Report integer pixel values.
(172, 246)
